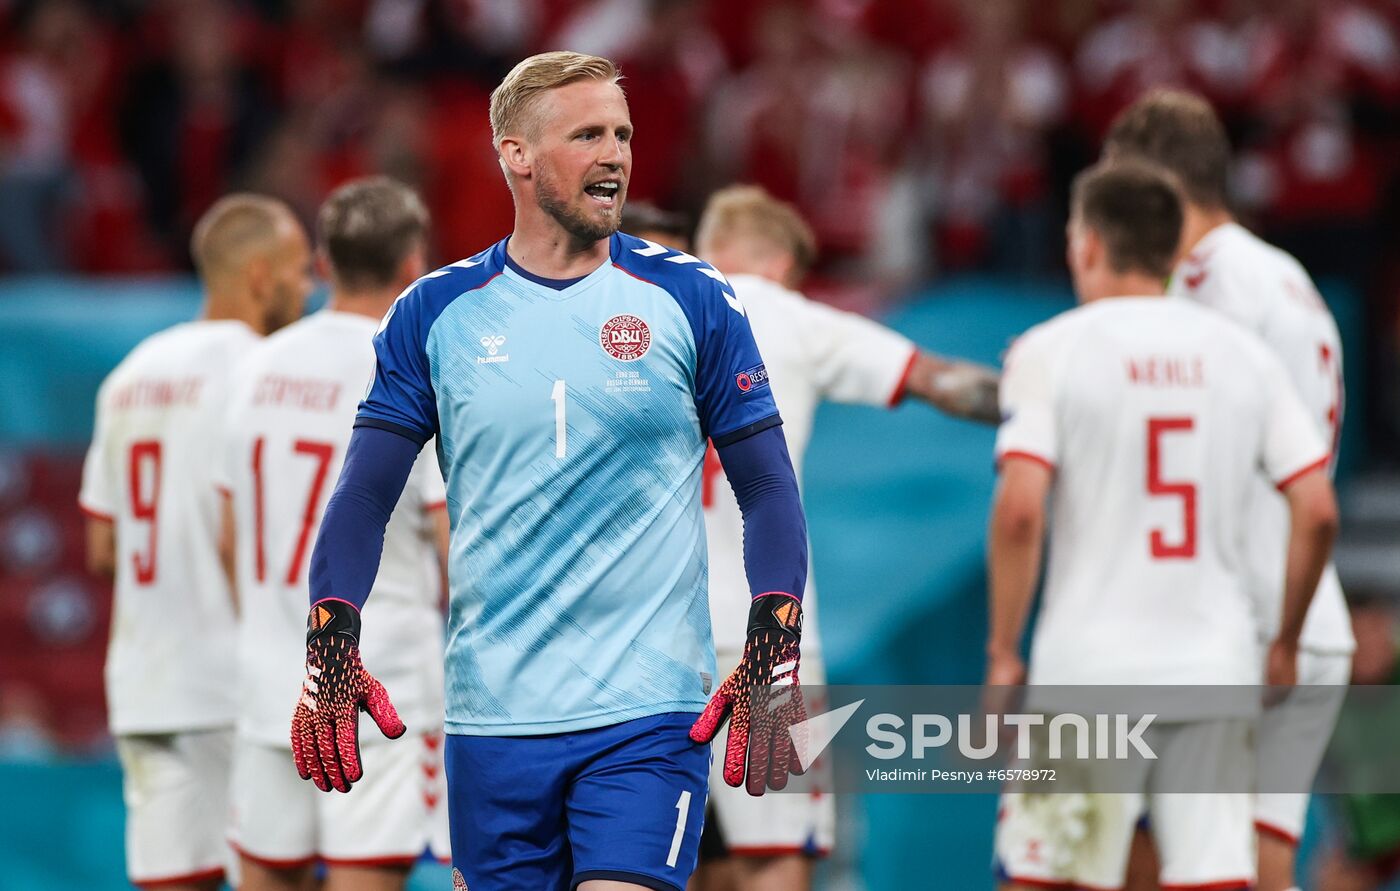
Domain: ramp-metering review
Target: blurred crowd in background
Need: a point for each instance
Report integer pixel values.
(922, 138)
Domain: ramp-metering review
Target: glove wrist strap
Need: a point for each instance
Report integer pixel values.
(776, 611)
(329, 617)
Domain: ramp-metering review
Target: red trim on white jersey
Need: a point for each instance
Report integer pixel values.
(1277, 832)
(1296, 475)
(188, 878)
(1029, 456)
(93, 514)
(435, 505)
(900, 388)
(1227, 885)
(273, 862)
(399, 860)
(1058, 885)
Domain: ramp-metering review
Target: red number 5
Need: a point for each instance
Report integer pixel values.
(1186, 548)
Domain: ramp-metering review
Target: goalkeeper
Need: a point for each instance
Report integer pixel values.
(571, 375)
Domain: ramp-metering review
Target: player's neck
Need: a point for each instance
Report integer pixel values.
(1129, 284)
(224, 307)
(1199, 223)
(541, 246)
(373, 303)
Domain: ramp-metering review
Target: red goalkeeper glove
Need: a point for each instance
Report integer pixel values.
(762, 700)
(326, 723)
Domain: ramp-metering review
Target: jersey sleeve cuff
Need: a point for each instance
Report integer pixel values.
(902, 386)
(1320, 463)
(93, 513)
(416, 436)
(1026, 456)
(745, 432)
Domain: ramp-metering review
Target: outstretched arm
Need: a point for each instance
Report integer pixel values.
(962, 389)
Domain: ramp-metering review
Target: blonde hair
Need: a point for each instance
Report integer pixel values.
(513, 100)
(747, 212)
(233, 229)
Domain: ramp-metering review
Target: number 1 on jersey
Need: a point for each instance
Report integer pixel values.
(561, 429)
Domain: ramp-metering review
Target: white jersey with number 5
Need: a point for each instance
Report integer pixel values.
(1268, 291)
(288, 424)
(148, 472)
(813, 353)
(1157, 417)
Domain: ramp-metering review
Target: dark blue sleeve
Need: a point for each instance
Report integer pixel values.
(348, 547)
(401, 398)
(775, 529)
(732, 394)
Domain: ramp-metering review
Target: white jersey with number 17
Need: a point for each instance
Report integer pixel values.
(289, 422)
(813, 353)
(148, 471)
(1267, 291)
(1158, 417)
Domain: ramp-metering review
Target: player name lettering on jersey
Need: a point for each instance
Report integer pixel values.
(1166, 371)
(307, 394)
(154, 393)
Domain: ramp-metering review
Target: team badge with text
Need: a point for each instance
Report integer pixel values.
(753, 379)
(625, 337)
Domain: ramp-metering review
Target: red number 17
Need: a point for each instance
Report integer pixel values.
(1186, 548)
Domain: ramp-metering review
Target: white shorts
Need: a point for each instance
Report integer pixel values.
(175, 786)
(776, 823)
(389, 818)
(1305, 728)
(1083, 839)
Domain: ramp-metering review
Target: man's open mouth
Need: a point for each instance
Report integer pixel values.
(605, 192)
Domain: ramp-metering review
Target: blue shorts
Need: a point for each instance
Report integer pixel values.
(545, 813)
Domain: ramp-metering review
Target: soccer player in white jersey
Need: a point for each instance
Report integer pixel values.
(1144, 422)
(813, 353)
(288, 422)
(1227, 268)
(153, 527)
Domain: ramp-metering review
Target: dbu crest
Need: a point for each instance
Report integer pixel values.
(625, 337)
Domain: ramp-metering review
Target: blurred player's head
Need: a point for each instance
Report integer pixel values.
(744, 230)
(373, 237)
(254, 260)
(563, 134)
(1179, 132)
(664, 227)
(1124, 227)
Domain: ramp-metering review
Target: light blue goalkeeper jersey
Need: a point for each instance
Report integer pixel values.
(571, 424)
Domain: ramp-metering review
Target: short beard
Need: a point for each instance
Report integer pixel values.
(583, 229)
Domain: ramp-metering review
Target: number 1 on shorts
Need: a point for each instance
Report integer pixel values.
(682, 815)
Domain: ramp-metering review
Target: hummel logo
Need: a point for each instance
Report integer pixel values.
(493, 344)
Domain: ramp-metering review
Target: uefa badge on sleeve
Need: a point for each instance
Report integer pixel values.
(625, 337)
